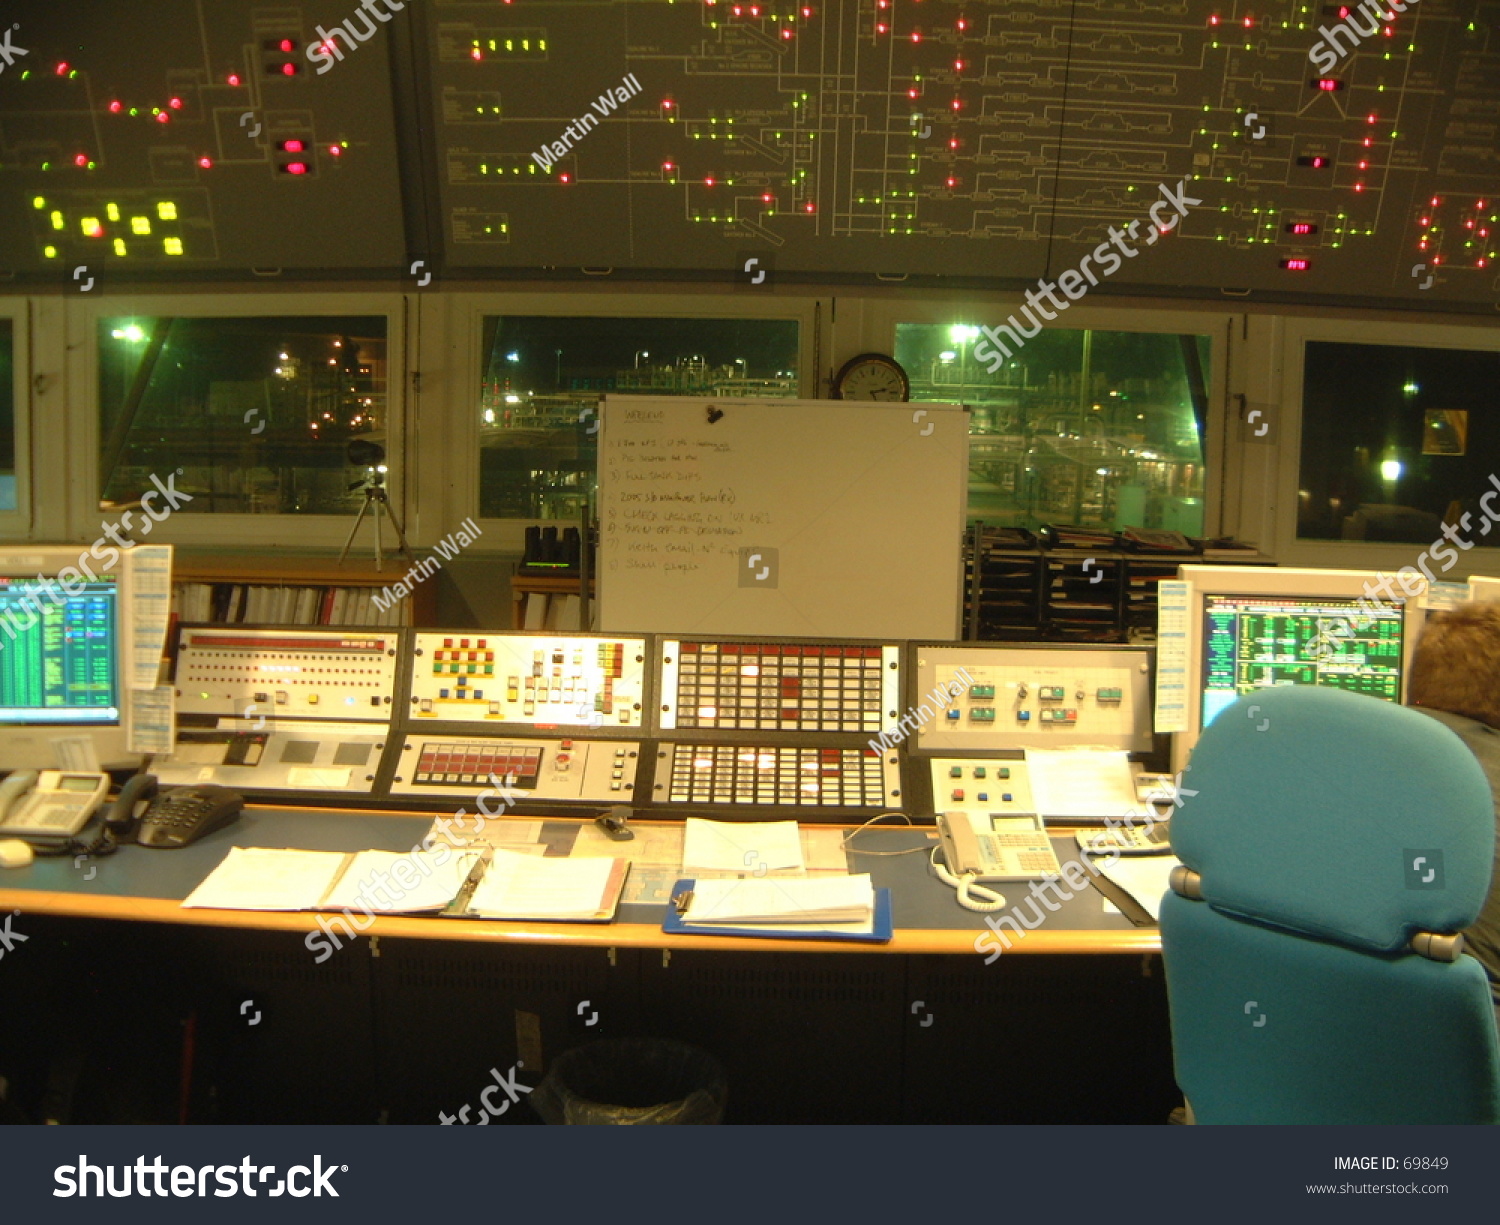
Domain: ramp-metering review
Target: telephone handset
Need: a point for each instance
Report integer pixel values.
(967, 862)
(185, 814)
(49, 804)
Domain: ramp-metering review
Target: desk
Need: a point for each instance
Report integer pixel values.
(148, 886)
(400, 1027)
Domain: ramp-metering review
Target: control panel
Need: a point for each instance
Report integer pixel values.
(462, 770)
(997, 697)
(305, 756)
(797, 776)
(993, 786)
(536, 680)
(281, 674)
(780, 686)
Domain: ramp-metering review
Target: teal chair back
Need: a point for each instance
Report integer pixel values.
(1330, 836)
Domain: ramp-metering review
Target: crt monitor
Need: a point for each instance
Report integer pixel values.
(1244, 628)
(64, 642)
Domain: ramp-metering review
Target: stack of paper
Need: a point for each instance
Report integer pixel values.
(815, 900)
(520, 886)
(752, 847)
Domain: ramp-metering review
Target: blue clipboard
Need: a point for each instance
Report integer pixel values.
(882, 928)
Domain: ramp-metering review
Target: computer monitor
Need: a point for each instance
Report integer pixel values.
(65, 635)
(1235, 629)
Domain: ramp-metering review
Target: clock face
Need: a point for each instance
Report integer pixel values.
(872, 376)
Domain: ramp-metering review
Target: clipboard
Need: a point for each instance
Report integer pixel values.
(881, 931)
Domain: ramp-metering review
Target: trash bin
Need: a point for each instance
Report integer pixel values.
(631, 1082)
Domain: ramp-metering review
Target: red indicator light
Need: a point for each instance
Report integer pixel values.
(807, 12)
(116, 107)
(666, 165)
(476, 54)
(205, 163)
(958, 65)
(175, 104)
(766, 199)
(1314, 161)
(962, 24)
(1249, 22)
(666, 104)
(1302, 227)
(956, 104)
(786, 34)
(953, 144)
(1295, 265)
(911, 93)
(879, 28)
(708, 181)
(81, 160)
(94, 231)
(289, 70)
(163, 117)
(1213, 21)
(62, 69)
(808, 207)
(1328, 85)
(952, 182)
(566, 178)
(915, 37)
(234, 78)
(295, 167)
(288, 46)
(335, 150)
(292, 146)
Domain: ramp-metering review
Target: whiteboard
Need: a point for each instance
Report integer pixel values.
(798, 518)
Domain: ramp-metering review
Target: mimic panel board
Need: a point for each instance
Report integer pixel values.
(304, 757)
(1009, 141)
(800, 776)
(260, 674)
(181, 136)
(779, 686)
(535, 680)
(1041, 696)
(461, 770)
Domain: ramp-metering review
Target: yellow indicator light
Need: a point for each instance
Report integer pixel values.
(167, 211)
(112, 211)
(91, 227)
(57, 219)
(50, 252)
(172, 246)
(119, 246)
(38, 202)
(140, 225)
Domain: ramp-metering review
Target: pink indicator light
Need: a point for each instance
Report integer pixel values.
(766, 199)
(1213, 21)
(958, 65)
(666, 165)
(953, 144)
(786, 34)
(288, 46)
(952, 182)
(879, 28)
(234, 78)
(81, 160)
(175, 104)
(296, 168)
(62, 69)
(1294, 265)
(915, 37)
(957, 104)
(1249, 21)
(1327, 84)
(116, 107)
(289, 70)
(708, 181)
(911, 93)
(164, 117)
(205, 163)
(962, 24)
(806, 12)
(808, 207)
(335, 150)
(666, 104)
(476, 54)
(293, 146)
(566, 178)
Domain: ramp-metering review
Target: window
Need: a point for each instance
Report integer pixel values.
(542, 377)
(257, 414)
(1396, 440)
(7, 416)
(1101, 429)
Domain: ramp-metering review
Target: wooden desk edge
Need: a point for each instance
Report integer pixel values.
(1143, 940)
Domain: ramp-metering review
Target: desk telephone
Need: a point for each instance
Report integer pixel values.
(980, 848)
(52, 806)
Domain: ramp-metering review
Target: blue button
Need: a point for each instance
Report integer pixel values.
(983, 795)
(442, 693)
(953, 714)
(1006, 796)
(1023, 716)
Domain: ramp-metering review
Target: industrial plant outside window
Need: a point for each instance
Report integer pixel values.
(1100, 429)
(256, 414)
(1396, 442)
(542, 377)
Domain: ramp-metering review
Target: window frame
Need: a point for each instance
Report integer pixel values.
(16, 524)
(1455, 334)
(240, 530)
(461, 352)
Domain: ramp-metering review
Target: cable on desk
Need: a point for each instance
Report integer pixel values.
(971, 896)
(879, 817)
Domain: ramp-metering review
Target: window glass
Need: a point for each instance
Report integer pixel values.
(1101, 429)
(542, 378)
(7, 416)
(1396, 441)
(256, 414)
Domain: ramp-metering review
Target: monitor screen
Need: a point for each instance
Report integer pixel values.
(59, 651)
(1252, 641)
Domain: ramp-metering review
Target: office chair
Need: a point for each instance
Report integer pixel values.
(1334, 848)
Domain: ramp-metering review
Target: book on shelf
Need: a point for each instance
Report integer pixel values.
(285, 604)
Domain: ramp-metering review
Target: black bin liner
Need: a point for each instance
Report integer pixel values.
(633, 1082)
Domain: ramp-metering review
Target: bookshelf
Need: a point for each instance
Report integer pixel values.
(543, 601)
(296, 589)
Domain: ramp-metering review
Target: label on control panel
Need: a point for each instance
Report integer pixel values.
(458, 769)
(278, 674)
(535, 680)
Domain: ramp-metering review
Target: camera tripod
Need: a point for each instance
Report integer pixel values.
(376, 504)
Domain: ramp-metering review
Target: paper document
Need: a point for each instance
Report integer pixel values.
(257, 878)
(153, 720)
(1144, 877)
(754, 847)
(377, 881)
(518, 886)
(821, 899)
(151, 608)
(1082, 783)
